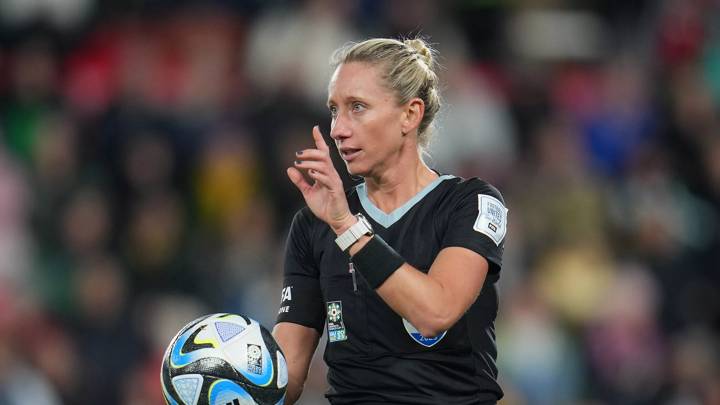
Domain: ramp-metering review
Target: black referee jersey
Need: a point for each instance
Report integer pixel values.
(373, 354)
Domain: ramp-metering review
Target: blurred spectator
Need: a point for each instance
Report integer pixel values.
(537, 357)
(153, 244)
(289, 46)
(474, 133)
(16, 242)
(56, 161)
(694, 372)
(228, 177)
(20, 383)
(624, 121)
(107, 346)
(32, 87)
(626, 349)
(681, 31)
(21, 379)
(250, 264)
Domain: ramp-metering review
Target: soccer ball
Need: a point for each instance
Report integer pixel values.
(223, 359)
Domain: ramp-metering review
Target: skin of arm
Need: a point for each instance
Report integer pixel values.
(298, 344)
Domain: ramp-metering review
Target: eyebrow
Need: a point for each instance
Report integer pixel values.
(348, 99)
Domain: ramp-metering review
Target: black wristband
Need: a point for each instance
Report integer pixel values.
(376, 261)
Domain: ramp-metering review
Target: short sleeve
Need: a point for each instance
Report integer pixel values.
(478, 221)
(301, 299)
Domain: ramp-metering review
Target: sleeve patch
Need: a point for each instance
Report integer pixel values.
(492, 218)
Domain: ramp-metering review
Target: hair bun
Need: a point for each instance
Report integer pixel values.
(419, 46)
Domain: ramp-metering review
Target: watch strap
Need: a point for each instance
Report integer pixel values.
(354, 233)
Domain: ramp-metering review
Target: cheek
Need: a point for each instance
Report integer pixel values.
(385, 128)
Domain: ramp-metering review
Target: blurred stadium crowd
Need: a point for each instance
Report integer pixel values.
(142, 182)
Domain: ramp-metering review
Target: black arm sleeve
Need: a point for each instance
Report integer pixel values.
(478, 222)
(301, 300)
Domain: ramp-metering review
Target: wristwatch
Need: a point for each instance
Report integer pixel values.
(355, 232)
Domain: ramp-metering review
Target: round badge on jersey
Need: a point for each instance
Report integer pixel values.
(416, 336)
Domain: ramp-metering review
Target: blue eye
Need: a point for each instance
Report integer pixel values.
(333, 111)
(357, 107)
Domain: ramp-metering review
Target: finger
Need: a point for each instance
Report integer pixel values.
(312, 154)
(314, 165)
(298, 180)
(319, 141)
(322, 178)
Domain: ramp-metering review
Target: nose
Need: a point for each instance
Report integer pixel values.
(340, 128)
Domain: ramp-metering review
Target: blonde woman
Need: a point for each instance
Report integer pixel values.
(401, 269)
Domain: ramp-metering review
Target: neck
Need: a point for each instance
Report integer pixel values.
(396, 186)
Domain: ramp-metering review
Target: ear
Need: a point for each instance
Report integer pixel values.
(413, 113)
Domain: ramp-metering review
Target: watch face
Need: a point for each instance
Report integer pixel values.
(366, 223)
(369, 226)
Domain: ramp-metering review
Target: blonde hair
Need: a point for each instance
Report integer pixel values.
(408, 70)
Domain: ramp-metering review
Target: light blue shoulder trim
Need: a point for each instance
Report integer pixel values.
(387, 220)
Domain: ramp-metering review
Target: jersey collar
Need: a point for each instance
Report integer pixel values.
(388, 220)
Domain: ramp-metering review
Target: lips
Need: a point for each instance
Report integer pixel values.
(349, 154)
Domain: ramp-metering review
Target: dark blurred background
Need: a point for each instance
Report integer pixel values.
(142, 181)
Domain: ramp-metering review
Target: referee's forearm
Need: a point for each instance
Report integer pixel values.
(298, 344)
(293, 391)
(417, 297)
(432, 302)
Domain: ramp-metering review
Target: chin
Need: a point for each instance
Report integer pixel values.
(356, 170)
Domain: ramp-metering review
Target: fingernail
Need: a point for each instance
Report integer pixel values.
(297, 162)
(298, 153)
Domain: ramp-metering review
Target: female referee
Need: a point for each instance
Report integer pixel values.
(401, 269)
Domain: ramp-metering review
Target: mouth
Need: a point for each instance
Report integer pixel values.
(348, 154)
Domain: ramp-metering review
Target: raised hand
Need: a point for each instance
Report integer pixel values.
(325, 195)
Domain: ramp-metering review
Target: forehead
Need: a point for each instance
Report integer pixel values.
(357, 80)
